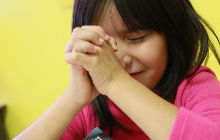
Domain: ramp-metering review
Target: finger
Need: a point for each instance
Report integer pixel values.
(86, 49)
(113, 43)
(68, 47)
(82, 46)
(87, 35)
(81, 59)
(99, 30)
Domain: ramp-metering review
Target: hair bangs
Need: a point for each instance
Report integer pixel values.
(86, 12)
(132, 14)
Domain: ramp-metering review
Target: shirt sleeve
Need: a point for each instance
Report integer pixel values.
(199, 109)
(76, 129)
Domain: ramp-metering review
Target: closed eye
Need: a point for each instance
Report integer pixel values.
(138, 38)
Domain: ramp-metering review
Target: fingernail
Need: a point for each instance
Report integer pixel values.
(116, 43)
(101, 40)
(95, 50)
(115, 48)
(107, 37)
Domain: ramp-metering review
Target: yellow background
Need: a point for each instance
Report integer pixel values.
(33, 73)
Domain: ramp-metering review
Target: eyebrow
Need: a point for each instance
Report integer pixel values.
(123, 31)
(127, 31)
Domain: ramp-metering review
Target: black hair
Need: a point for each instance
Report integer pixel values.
(187, 40)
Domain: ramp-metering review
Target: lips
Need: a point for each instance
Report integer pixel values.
(136, 73)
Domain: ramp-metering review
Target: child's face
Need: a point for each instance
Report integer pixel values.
(147, 55)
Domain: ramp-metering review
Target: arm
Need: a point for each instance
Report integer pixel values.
(199, 115)
(81, 91)
(52, 124)
(152, 114)
(197, 118)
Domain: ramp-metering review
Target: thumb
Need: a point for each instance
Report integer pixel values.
(78, 59)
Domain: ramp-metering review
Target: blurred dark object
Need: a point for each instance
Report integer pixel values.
(97, 134)
(3, 134)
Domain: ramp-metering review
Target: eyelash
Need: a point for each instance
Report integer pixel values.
(138, 39)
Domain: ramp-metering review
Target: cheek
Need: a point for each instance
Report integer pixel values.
(152, 55)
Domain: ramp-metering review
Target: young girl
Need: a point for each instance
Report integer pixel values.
(136, 74)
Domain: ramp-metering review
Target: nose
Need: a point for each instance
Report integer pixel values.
(126, 61)
(123, 54)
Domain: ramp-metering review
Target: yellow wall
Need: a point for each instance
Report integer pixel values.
(33, 73)
(33, 34)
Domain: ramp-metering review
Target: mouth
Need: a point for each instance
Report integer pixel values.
(135, 73)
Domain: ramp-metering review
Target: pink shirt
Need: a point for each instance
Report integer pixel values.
(198, 99)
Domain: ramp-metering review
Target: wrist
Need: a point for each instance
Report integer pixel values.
(71, 97)
(116, 83)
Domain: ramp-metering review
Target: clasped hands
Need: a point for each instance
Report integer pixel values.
(94, 50)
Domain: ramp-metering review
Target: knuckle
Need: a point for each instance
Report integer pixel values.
(94, 36)
(79, 49)
(113, 41)
(67, 48)
(76, 31)
(76, 49)
(75, 43)
(96, 29)
(84, 26)
(88, 48)
(91, 48)
(100, 29)
(75, 57)
(67, 58)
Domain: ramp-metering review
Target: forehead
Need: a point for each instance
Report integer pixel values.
(111, 21)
